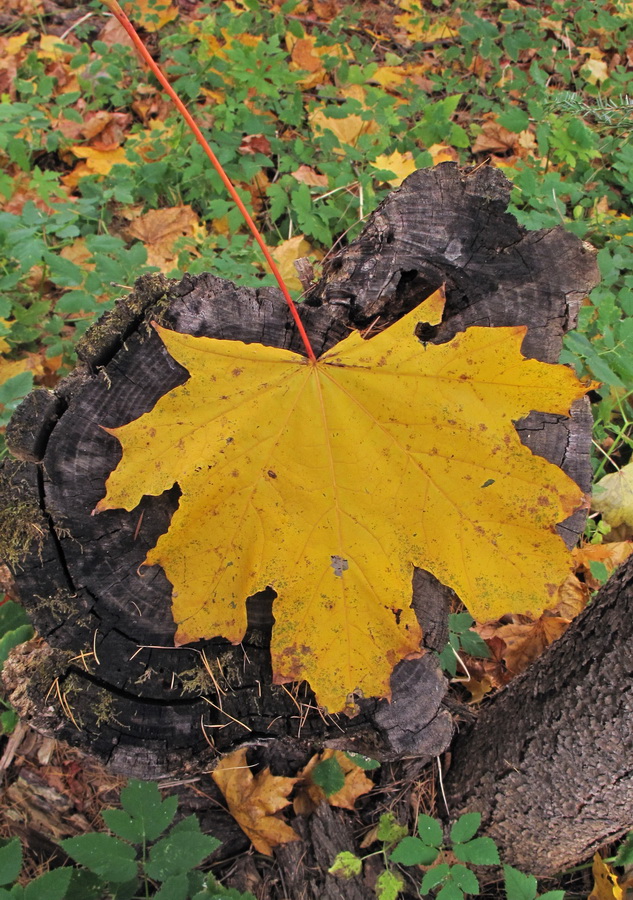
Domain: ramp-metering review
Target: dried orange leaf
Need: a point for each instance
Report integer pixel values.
(356, 782)
(330, 480)
(254, 799)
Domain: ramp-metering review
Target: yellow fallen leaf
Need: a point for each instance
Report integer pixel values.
(100, 162)
(613, 497)
(286, 253)
(152, 15)
(253, 801)
(347, 130)
(9, 368)
(443, 153)
(401, 164)
(418, 25)
(595, 70)
(605, 881)
(330, 480)
(52, 47)
(14, 44)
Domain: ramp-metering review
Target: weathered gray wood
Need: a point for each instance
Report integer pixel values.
(549, 763)
(138, 702)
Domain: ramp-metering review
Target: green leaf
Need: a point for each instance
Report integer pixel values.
(465, 879)
(176, 887)
(177, 853)
(346, 864)
(10, 860)
(329, 776)
(624, 856)
(189, 823)
(106, 856)
(474, 645)
(125, 891)
(12, 639)
(411, 851)
(465, 827)
(8, 721)
(460, 622)
(599, 570)
(216, 891)
(363, 762)
(518, 885)
(552, 895)
(450, 891)
(49, 886)
(15, 627)
(145, 815)
(389, 829)
(514, 119)
(434, 877)
(84, 885)
(388, 885)
(430, 831)
(481, 851)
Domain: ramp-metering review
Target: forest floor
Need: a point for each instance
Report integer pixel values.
(317, 109)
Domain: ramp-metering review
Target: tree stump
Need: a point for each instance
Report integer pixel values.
(108, 677)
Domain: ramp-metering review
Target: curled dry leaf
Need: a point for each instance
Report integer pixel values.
(613, 497)
(525, 643)
(253, 801)
(159, 230)
(612, 554)
(310, 795)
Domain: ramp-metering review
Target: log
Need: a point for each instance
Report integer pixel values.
(104, 674)
(549, 763)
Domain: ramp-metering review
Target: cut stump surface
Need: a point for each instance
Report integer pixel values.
(108, 677)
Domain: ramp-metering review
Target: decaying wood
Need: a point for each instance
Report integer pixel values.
(549, 763)
(108, 677)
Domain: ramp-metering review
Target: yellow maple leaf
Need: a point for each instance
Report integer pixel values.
(99, 162)
(254, 799)
(347, 130)
(330, 480)
(400, 164)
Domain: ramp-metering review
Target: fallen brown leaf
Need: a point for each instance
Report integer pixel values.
(253, 800)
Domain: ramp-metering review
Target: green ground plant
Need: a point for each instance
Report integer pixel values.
(141, 857)
(15, 628)
(528, 68)
(443, 880)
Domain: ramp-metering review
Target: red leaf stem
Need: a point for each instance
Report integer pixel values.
(121, 17)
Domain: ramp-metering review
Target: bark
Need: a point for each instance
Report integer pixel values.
(549, 763)
(105, 675)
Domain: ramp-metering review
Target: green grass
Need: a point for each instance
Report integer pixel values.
(528, 67)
